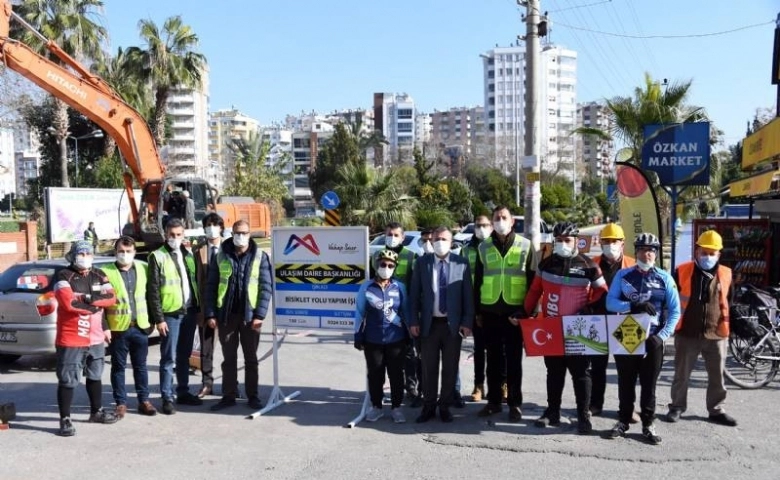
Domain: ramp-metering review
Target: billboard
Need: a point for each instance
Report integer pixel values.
(679, 154)
(69, 211)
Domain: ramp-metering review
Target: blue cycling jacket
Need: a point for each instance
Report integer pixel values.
(380, 316)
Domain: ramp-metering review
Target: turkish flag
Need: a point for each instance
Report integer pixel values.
(543, 336)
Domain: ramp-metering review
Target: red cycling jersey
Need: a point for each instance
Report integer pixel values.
(81, 323)
(565, 286)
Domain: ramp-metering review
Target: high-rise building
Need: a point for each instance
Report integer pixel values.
(504, 87)
(423, 128)
(597, 154)
(187, 153)
(27, 156)
(454, 134)
(394, 116)
(305, 147)
(280, 150)
(224, 127)
(7, 163)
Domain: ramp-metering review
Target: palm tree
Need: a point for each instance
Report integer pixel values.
(120, 73)
(74, 27)
(252, 174)
(168, 60)
(365, 140)
(372, 198)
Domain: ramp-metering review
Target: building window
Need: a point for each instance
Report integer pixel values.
(491, 74)
(405, 113)
(491, 88)
(404, 127)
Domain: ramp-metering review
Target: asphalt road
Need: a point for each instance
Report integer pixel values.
(307, 439)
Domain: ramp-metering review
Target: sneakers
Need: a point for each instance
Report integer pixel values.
(515, 414)
(254, 402)
(374, 414)
(584, 425)
(723, 419)
(66, 428)
(674, 415)
(550, 418)
(102, 416)
(188, 399)
(168, 408)
(489, 410)
(397, 415)
(146, 408)
(478, 393)
(121, 411)
(223, 403)
(619, 430)
(649, 435)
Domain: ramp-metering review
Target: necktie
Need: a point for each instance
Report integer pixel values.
(212, 254)
(443, 287)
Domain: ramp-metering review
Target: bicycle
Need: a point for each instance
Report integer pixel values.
(754, 343)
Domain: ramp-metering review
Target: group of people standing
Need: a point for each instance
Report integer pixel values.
(430, 302)
(222, 289)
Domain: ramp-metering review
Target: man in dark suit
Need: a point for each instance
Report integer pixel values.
(442, 310)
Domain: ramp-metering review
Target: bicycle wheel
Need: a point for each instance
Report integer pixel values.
(744, 369)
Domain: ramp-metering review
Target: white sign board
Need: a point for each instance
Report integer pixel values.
(317, 274)
(69, 211)
(585, 335)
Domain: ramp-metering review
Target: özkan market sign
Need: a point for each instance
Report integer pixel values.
(679, 154)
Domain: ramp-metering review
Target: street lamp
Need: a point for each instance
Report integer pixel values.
(93, 134)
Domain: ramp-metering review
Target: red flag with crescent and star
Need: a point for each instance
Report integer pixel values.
(543, 336)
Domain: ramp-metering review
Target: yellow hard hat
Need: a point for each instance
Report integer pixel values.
(612, 231)
(710, 239)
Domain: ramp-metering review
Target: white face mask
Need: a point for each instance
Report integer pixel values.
(213, 232)
(441, 248)
(175, 243)
(241, 240)
(83, 263)
(393, 242)
(427, 247)
(563, 250)
(502, 227)
(612, 251)
(385, 272)
(124, 258)
(644, 266)
(483, 232)
(707, 262)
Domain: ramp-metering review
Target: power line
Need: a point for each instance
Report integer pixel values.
(691, 35)
(580, 6)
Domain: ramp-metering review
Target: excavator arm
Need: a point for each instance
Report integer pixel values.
(92, 97)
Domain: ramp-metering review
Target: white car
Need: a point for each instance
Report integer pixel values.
(411, 241)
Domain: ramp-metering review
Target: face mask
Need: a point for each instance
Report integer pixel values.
(125, 258)
(393, 242)
(483, 232)
(563, 250)
(612, 251)
(644, 266)
(241, 240)
(213, 232)
(385, 272)
(441, 248)
(427, 247)
(83, 263)
(502, 228)
(175, 243)
(707, 262)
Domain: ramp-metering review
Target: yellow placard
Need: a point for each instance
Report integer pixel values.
(532, 176)
(756, 185)
(630, 334)
(762, 145)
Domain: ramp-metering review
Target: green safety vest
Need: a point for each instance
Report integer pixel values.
(119, 316)
(504, 277)
(171, 295)
(471, 255)
(225, 272)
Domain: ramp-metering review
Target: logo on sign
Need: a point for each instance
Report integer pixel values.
(307, 242)
(582, 243)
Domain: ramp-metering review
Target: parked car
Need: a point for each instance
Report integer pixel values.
(465, 235)
(28, 310)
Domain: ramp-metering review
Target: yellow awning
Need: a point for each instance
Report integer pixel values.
(762, 145)
(762, 184)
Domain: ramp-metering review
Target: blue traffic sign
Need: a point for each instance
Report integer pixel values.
(678, 153)
(330, 201)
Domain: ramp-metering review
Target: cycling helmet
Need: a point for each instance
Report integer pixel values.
(388, 255)
(565, 229)
(647, 240)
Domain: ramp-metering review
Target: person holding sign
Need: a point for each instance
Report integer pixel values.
(610, 261)
(643, 288)
(705, 288)
(381, 334)
(567, 283)
(442, 313)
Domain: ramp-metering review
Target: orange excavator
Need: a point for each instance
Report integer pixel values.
(94, 98)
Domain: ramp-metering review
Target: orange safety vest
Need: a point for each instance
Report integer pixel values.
(684, 277)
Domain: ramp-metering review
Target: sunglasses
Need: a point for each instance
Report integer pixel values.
(386, 264)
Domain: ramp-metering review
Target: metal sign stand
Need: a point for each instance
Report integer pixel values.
(363, 409)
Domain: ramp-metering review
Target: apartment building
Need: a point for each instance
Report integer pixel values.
(394, 116)
(224, 127)
(305, 147)
(597, 154)
(27, 156)
(186, 152)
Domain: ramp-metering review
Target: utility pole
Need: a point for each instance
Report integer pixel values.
(532, 144)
